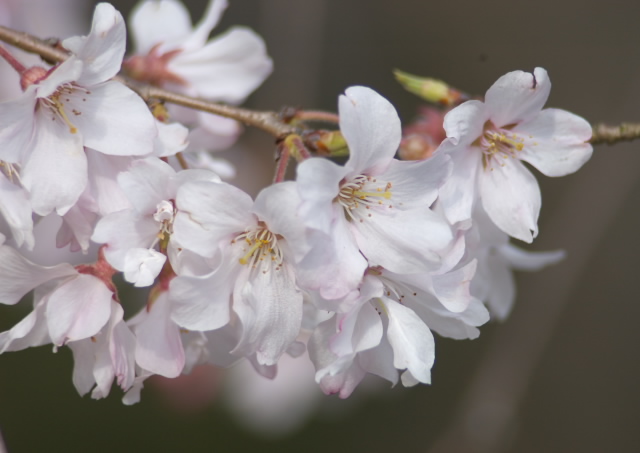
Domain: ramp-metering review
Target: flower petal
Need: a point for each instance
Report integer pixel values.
(517, 96)
(78, 309)
(153, 22)
(511, 197)
(557, 146)
(371, 127)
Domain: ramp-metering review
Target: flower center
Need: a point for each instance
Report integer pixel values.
(499, 142)
(56, 103)
(261, 245)
(363, 191)
(165, 213)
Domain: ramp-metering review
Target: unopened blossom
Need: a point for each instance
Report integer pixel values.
(71, 106)
(488, 140)
(374, 210)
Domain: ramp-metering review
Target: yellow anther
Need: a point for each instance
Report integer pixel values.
(60, 107)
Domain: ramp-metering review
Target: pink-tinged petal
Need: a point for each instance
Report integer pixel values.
(318, 184)
(159, 347)
(209, 213)
(78, 309)
(153, 22)
(76, 229)
(379, 361)
(358, 330)
(16, 210)
(371, 127)
(458, 193)
(269, 306)
(121, 231)
(102, 50)
(555, 142)
(511, 197)
(147, 183)
(103, 181)
(18, 275)
(56, 173)
(65, 73)
(416, 183)
(203, 302)
(114, 120)
(452, 288)
(411, 340)
(342, 274)
(228, 68)
(17, 126)
(172, 138)
(209, 20)
(403, 241)
(465, 123)
(83, 361)
(142, 266)
(30, 331)
(524, 260)
(517, 96)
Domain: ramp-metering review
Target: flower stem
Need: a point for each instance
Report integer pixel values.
(282, 163)
(316, 115)
(15, 64)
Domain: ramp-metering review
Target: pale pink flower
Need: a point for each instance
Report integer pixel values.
(374, 210)
(71, 106)
(487, 141)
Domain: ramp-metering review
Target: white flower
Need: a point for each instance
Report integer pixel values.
(71, 106)
(375, 207)
(487, 140)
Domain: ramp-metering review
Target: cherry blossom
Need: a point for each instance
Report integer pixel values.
(487, 140)
(71, 106)
(375, 209)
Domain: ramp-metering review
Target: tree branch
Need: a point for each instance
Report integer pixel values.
(625, 132)
(267, 121)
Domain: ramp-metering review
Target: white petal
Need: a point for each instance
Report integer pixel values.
(203, 303)
(416, 183)
(159, 348)
(142, 266)
(464, 123)
(511, 197)
(228, 68)
(318, 184)
(459, 191)
(78, 309)
(114, 120)
(269, 307)
(402, 241)
(524, 260)
(517, 96)
(358, 330)
(452, 288)
(17, 126)
(147, 183)
(371, 127)
(18, 275)
(152, 22)
(555, 142)
(56, 172)
(16, 210)
(411, 340)
(102, 50)
(209, 20)
(30, 331)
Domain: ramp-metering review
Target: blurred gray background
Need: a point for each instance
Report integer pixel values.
(560, 375)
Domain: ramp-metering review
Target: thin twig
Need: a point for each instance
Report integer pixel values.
(267, 121)
(625, 132)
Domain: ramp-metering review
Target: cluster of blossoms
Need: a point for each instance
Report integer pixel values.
(352, 265)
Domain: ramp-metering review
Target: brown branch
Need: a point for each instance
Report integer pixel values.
(625, 132)
(267, 121)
